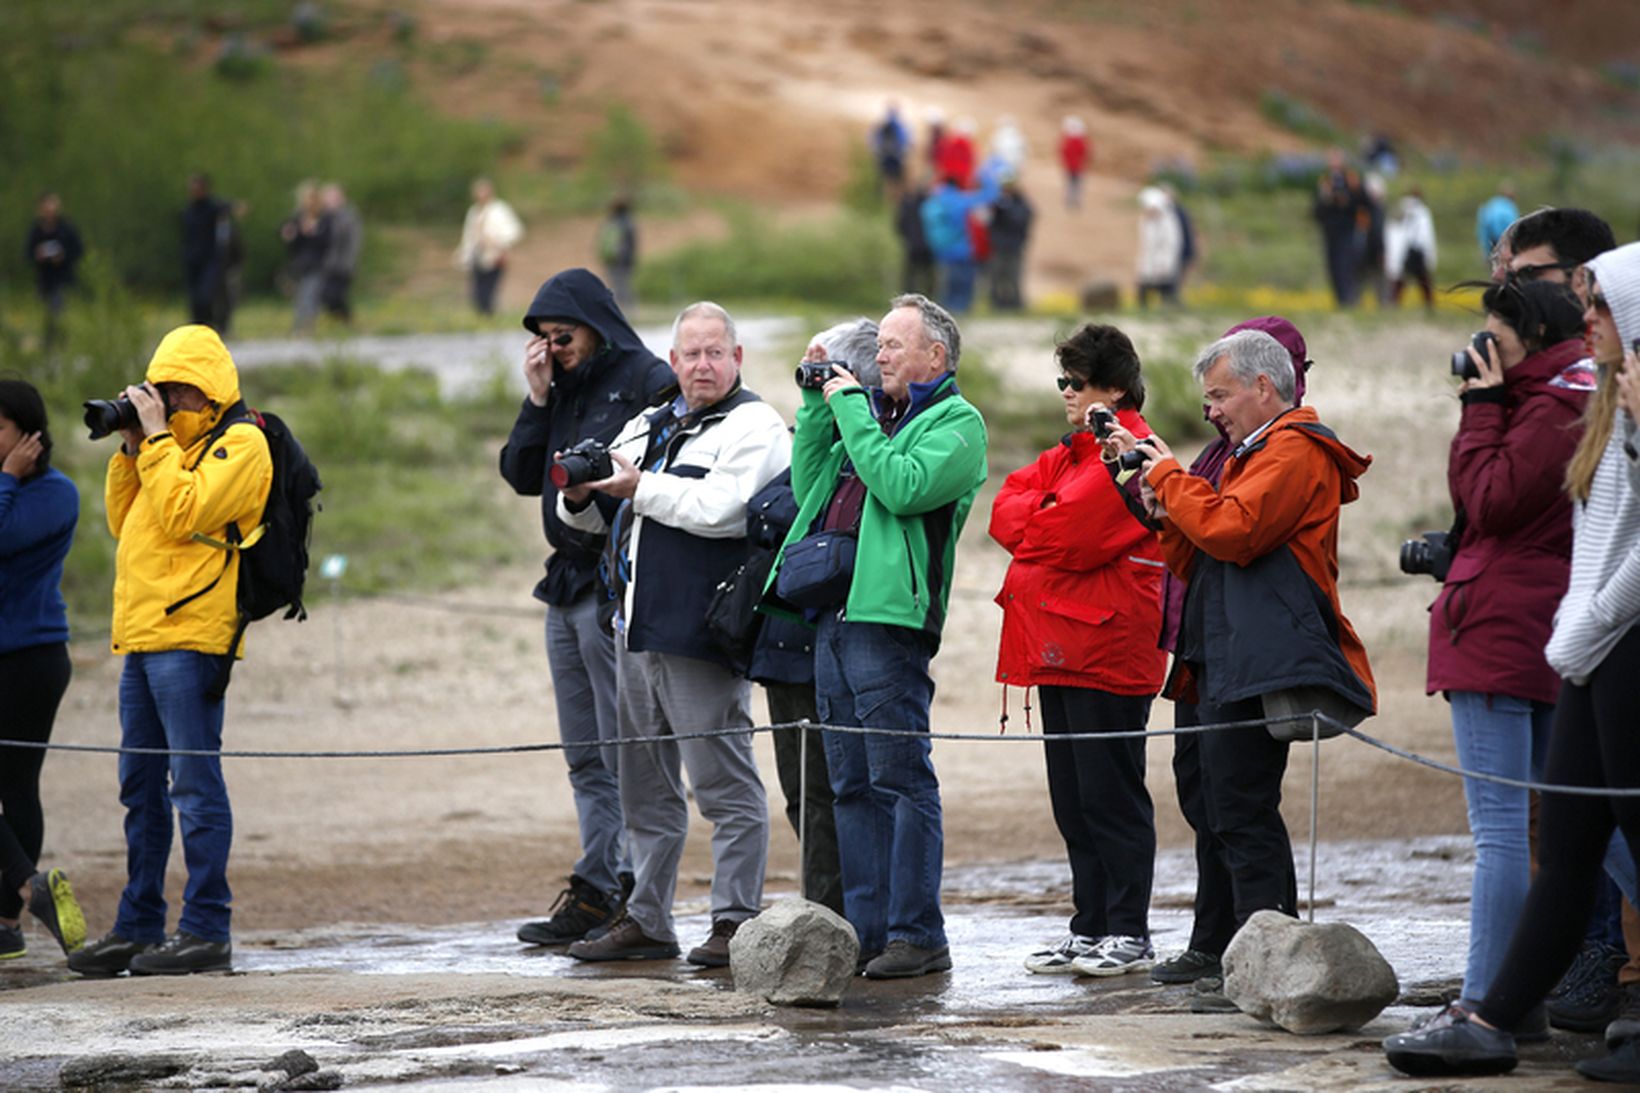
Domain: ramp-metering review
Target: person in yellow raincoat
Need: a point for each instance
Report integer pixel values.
(175, 493)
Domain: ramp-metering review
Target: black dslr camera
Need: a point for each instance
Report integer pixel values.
(587, 461)
(105, 416)
(1462, 366)
(1430, 553)
(813, 375)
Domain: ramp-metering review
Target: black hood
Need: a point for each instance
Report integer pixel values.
(579, 296)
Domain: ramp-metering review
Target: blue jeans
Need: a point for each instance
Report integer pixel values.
(582, 658)
(890, 834)
(163, 705)
(958, 291)
(1507, 736)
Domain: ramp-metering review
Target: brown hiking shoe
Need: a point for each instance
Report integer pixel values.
(624, 940)
(714, 953)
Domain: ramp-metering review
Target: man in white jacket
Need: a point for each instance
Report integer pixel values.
(675, 509)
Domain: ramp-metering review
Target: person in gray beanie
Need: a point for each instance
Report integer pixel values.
(1595, 648)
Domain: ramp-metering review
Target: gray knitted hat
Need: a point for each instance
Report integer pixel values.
(1618, 273)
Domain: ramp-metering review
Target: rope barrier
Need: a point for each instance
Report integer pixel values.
(1317, 718)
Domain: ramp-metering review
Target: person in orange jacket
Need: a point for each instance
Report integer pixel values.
(1262, 614)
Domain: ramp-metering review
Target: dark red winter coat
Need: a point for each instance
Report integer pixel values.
(1082, 601)
(1506, 473)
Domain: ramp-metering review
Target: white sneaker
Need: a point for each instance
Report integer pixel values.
(1116, 955)
(1058, 959)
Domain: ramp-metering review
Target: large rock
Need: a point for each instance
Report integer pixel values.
(1305, 978)
(796, 953)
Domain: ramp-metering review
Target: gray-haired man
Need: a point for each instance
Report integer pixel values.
(675, 507)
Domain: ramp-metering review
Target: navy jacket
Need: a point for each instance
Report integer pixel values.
(594, 400)
(37, 519)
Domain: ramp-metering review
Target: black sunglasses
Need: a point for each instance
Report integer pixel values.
(1532, 273)
(1075, 383)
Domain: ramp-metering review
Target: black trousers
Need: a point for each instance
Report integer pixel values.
(1592, 744)
(822, 875)
(32, 682)
(1101, 807)
(1229, 784)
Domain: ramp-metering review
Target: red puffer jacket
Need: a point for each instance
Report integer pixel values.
(1082, 599)
(1507, 472)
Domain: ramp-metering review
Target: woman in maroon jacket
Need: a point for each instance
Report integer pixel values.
(1081, 615)
(1506, 471)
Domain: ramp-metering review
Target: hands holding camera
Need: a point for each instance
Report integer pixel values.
(1485, 369)
(1129, 452)
(622, 481)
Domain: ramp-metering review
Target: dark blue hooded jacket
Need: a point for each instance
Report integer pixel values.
(594, 400)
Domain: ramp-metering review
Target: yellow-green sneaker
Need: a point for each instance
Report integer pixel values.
(12, 945)
(51, 900)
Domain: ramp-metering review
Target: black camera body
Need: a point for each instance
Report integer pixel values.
(1430, 553)
(1464, 368)
(813, 375)
(106, 416)
(1133, 459)
(587, 461)
(1101, 420)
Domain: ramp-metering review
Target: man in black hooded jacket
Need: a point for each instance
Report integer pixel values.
(588, 373)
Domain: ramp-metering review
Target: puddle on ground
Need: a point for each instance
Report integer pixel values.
(985, 1024)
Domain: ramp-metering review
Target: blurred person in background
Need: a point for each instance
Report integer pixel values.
(39, 508)
(54, 249)
(1082, 612)
(489, 232)
(1338, 208)
(344, 230)
(1010, 231)
(306, 235)
(207, 238)
(1409, 248)
(1494, 216)
(1160, 248)
(618, 251)
(1075, 154)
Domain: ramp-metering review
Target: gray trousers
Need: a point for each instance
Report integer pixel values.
(582, 658)
(661, 695)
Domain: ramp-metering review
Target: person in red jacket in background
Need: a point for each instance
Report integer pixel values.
(1073, 156)
(1082, 612)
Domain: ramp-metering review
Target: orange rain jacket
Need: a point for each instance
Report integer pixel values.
(1261, 554)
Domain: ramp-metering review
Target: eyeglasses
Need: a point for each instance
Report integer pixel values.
(1532, 273)
(1075, 383)
(561, 340)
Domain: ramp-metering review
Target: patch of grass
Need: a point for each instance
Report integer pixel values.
(115, 121)
(847, 261)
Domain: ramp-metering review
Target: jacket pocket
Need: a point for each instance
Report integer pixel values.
(1091, 613)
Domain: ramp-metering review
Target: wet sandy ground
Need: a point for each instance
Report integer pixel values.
(465, 1006)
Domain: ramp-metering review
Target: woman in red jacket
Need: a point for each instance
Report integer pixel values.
(1081, 616)
(1506, 471)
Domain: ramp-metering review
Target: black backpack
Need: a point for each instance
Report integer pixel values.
(273, 557)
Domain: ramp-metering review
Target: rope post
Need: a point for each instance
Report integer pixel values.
(803, 808)
(1315, 799)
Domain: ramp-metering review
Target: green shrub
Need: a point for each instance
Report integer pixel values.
(848, 261)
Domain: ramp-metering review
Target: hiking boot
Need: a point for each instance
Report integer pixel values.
(1116, 955)
(1626, 1025)
(1622, 1065)
(51, 900)
(12, 944)
(1187, 967)
(578, 909)
(184, 954)
(1207, 996)
(1458, 1046)
(715, 952)
(903, 960)
(624, 940)
(863, 961)
(1056, 959)
(109, 955)
(1587, 997)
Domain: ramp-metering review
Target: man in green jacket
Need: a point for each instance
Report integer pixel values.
(897, 466)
